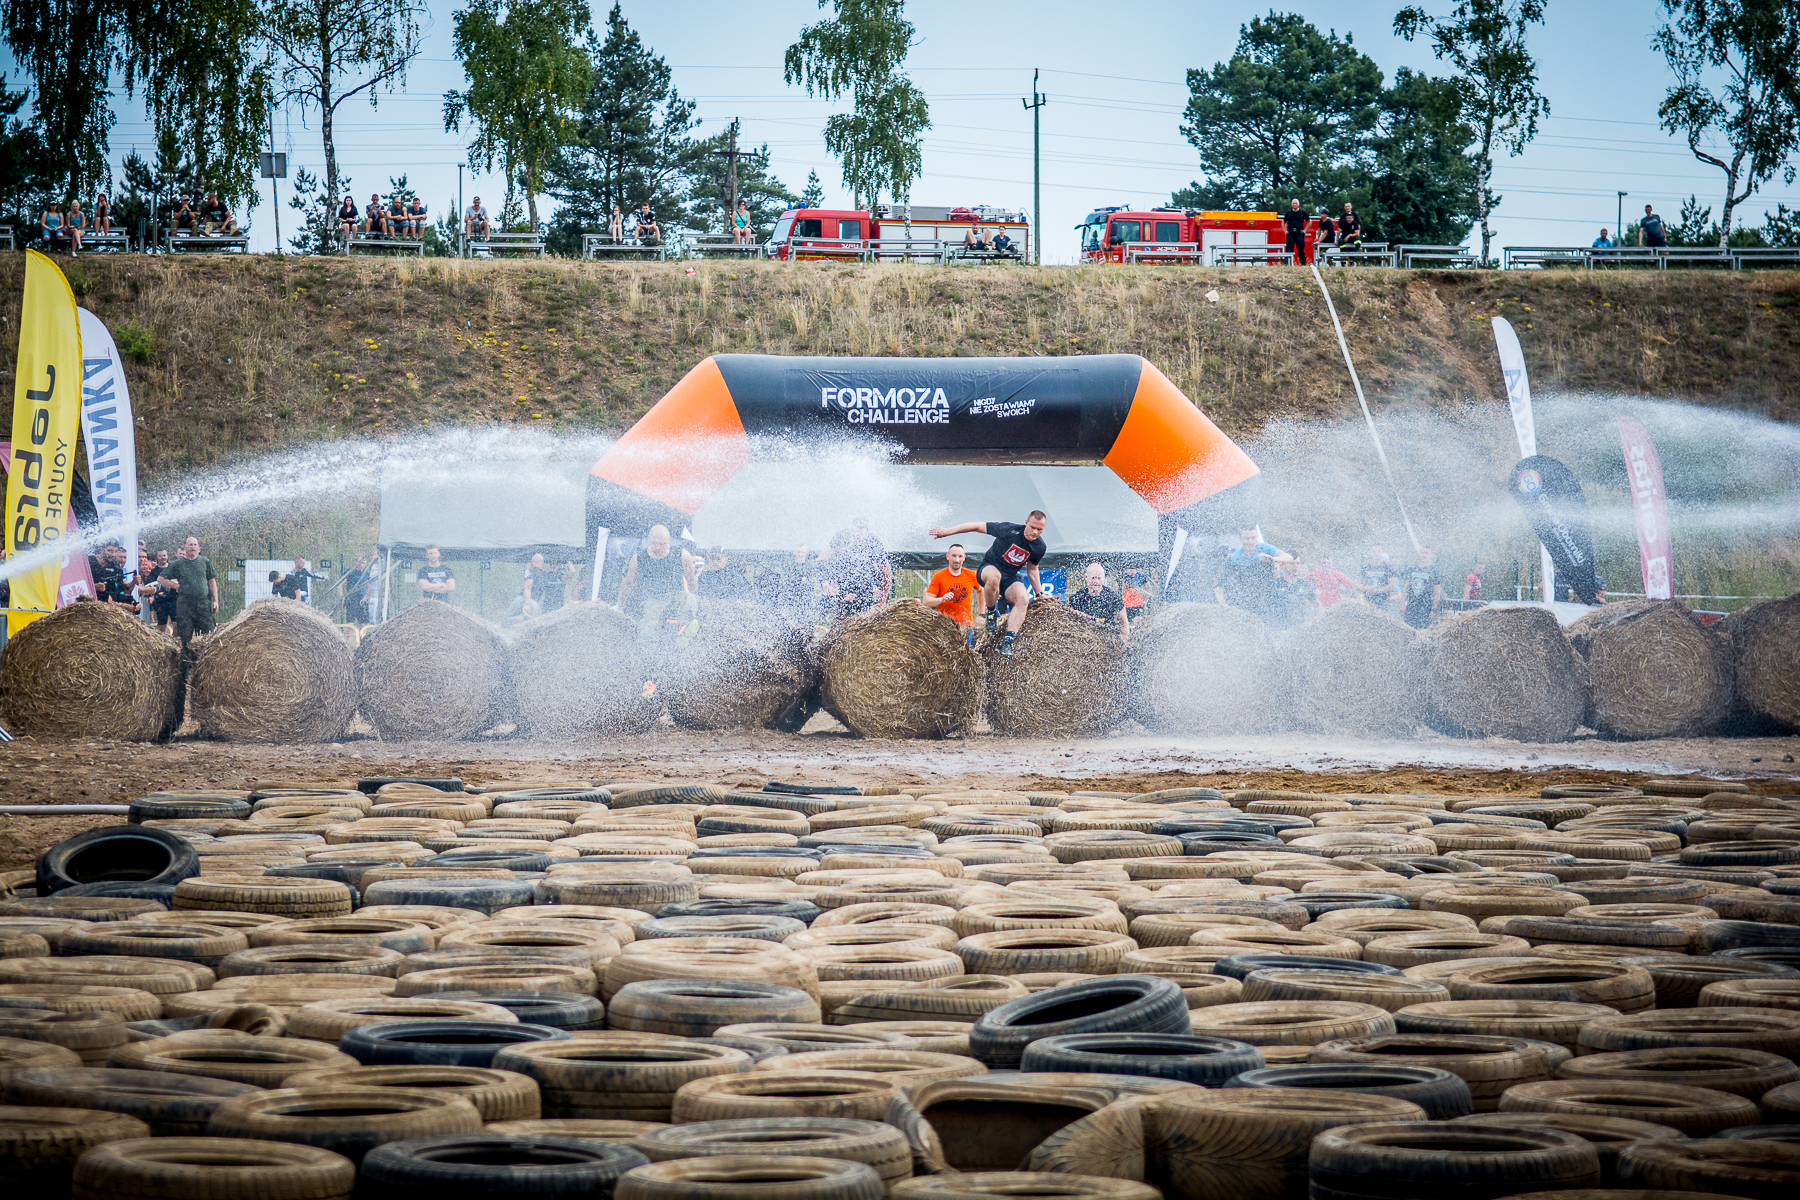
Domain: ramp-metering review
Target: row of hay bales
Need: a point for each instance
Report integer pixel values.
(280, 672)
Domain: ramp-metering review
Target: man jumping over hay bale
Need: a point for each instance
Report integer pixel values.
(1015, 548)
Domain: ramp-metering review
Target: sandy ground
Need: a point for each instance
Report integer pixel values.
(34, 771)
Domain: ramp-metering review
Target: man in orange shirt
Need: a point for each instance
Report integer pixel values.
(950, 589)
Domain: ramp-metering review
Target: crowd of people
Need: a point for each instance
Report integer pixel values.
(1344, 230)
(177, 593)
(1284, 587)
(395, 218)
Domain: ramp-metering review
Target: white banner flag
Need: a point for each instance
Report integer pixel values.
(111, 437)
(1518, 396)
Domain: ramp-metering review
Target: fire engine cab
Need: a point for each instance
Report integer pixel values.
(893, 232)
(1187, 235)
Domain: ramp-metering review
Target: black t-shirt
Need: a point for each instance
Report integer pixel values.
(1652, 227)
(437, 574)
(1422, 581)
(543, 581)
(1327, 230)
(215, 212)
(1296, 225)
(1349, 226)
(289, 587)
(856, 566)
(1378, 575)
(657, 578)
(1102, 606)
(348, 211)
(1012, 550)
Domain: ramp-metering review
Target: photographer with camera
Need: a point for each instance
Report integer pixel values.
(292, 585)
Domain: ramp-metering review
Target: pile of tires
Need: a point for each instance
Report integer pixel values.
(635, 989)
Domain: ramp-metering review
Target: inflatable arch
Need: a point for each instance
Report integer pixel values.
(1114, 408)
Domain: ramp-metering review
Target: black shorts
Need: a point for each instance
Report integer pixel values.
(1008, 575)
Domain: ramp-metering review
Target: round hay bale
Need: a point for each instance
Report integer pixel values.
(1067, 676)
(1351, 669)
(91, 670)
(1765, 655)
(1505, 672)
(578, 671)
(435, 672)
(900, 671)
(747, 666)
(1653, 670)
(277, 672)
(1205, 669)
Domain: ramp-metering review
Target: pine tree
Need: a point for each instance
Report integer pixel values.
(632, 141)
(814, 195)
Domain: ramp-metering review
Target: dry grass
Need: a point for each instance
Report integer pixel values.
(248, 354)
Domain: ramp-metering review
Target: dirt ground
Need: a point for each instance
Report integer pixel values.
(34, 771)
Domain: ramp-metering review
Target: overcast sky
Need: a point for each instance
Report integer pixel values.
(1115, 78)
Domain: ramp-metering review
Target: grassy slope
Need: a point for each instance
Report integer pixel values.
(256, 353)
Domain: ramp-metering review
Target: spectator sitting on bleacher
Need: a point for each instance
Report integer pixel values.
(740, 225)
(77, 222)
(55, 231)
(648, 232)
(374, 218)
(398, 225)
(1350, 233)
(1002, 244)
(1603, 242)
(103, 222)
(215, 217)
(415, 218)
(346, 218)
(185, 220)
(475, 221)
(615, 225)
(1327, 232)
(974, 240)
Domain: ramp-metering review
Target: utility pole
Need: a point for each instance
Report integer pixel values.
(1038, 100)
(731, 155)
(462, 249)
(1619, 225)
(274, 190)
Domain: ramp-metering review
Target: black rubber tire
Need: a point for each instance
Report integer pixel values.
(1218, 841)
(344, 1119)
(211, 1167)
(756, 926)
(1197, 824)
(1787, 956)
(1239, 966)
(1760, 1133)
(440, 1043)
(1679, 981)
(1579, 791)
(1320, 903)
(348, 874)
(1751, 1073)
(117, 854)
(1608, 1135)
(1210, 1062)
(985, 1185)
(1465, 1159)
(1781, 1106)
(558, 1010)
(572, 795)
(1759, 1169)
(874, 1143)
(699, 1007)
(757, 1048)
(1442, 1095)
(1735, 935)
(496, 1166)
(505, 860)
(753, 1177)
(162, 893)
(167, 807)
(1113, 1004)
(370, 784)
(800, 910)
(483, 895)
(812, 852)
(172, 1105)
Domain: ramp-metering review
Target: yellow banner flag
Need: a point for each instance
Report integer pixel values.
(46, 410)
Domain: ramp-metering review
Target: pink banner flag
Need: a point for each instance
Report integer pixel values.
(1649, 507)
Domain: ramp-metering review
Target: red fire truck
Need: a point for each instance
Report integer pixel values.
(1187, 235)
(893, 232)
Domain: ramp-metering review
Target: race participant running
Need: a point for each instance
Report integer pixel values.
(1015, 548)
(951, 590)
(652, 592)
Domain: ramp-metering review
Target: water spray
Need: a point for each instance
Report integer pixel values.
(1357, 384)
